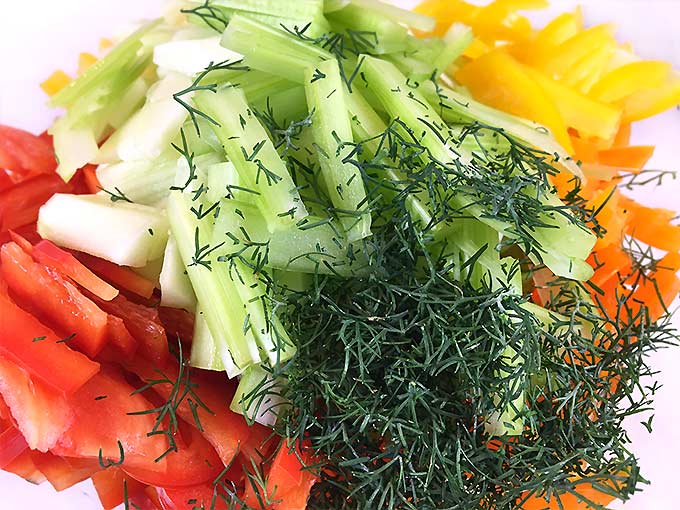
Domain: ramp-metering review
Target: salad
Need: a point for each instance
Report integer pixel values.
(337, 255)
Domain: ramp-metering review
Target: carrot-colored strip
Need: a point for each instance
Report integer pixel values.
(632, 156)
(120, 276)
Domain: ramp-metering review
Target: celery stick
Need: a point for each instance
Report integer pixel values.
(144, 182)
(458, 108)
(176, 289)
(411, 108)
(312, 246)
(262, 47)
(258, 397)
(96, 95)
(396, 14)
(379, 34)
(331, 128)
(151, 130)
(222, 309)
(261, 314)
(248, 146)
(124, 233)
(299, 9)
(204, 352)
(507, 421)
(191, 56)
(222, 181)
(367, 127)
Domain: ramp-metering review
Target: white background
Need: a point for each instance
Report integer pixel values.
(40, 36)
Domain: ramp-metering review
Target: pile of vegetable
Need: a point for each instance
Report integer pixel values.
(336, 255)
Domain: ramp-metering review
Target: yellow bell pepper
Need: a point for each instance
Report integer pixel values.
(552, 35)
(587, 71)
(629, 79)
(587, 116)
(650, 102)
(498, 80)
(85, 61)
(448, 12)
(57, 81)
(476, 49)
(559, 61)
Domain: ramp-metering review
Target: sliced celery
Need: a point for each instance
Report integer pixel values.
(176, 289)
(508, 420)
(331, 130)
(191, 56)
(93, 98)
(261, 46)
(125, 233)
(379, 33)
(144, 182)
(457, 108)
(391, 88)
(258, 397)
(396, 14)
(204, 352)
(222, 308)
(313, 245)
(223, 181)
(248, 146)
(150, 131)
(261, 313)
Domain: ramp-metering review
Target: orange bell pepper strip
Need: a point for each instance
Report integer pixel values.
(652, 225)
(633, 157)
(570, 501)
(498, 80)
(622, 137)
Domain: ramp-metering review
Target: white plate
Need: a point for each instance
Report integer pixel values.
(40, 36)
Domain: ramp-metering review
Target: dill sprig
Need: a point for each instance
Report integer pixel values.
(397, 373)
(183, 390)
(116, 195)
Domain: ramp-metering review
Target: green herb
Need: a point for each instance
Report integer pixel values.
(107, 463)
(116, 195)
(39, 339)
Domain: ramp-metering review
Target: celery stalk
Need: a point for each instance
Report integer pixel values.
(381, 34)
(396, 14)
(249, 148)
(258, 397)
(391, 88)
(222, 309)
(261, 314)
(176, 289)
(331, 128)
(94, 97)
(261, 46)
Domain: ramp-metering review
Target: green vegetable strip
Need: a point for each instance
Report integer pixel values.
(396, 14)
(457, 40)
(391, 88)
(458, 108)
(145, 182)
(214, 288)
(249, 148)
(331, 128)
(261, 316)
(205, 353)
(93, 98)
(262, 47)
(312, 246)
(379, 34)
(258, 397)
(299, 9)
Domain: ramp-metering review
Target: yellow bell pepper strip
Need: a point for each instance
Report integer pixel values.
(629, 79)
(587, 72)
(650, 102)
(557, 63)
(448, 12)
(498, 80)
(552, 35)
(85, 61)
(57, 81)
(587, 116)
(476, 49)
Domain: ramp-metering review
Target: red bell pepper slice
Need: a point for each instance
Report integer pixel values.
(12, 445)
(36, 348)
(19, 204)
(23, 151)
(122, 277)
(49, 254)
(112, 484)
(40, 413)
(62, 472)
(102, 425)
(58, 299)
(144, 325)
